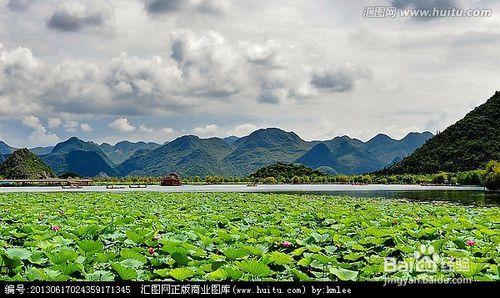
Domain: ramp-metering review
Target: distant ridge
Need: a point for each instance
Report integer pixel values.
(5, 149)
(388, 149)
(123, 150)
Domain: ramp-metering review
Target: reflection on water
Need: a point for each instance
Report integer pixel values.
(467, 197)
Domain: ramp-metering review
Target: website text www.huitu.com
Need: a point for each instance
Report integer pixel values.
(392, 12)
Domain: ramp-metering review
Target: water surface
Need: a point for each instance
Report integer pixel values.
(457, 194)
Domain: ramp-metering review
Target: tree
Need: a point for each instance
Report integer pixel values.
(492, 175)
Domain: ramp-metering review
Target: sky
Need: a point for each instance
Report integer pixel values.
(154, 70)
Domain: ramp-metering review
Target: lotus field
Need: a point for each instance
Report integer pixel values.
(239, 237)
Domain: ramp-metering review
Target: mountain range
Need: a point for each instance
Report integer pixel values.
(231, 156)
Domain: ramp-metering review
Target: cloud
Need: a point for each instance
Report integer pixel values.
(163, 6)
(167, 131)
(426, 4)
(209, 64)
(211, 6)
(159, 7)
(201, 68)
(122, 85)
(19, 5)
(122, 125)
(263, 54)
(209, 130)
(54, 122)
(85, 127)
(72, 16)
(18, 69)
(146, 129)
(242, 130)
(146, 133)
(340, 80)
(71, 125)
(39, 135)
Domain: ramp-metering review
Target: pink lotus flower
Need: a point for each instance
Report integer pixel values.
(151, 250)
(286, 244)
(470, 242)
(55, 228)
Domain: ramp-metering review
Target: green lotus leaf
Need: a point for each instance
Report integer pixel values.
(255, 268)
(280, 258)
(125, 273)
(344, 274)
(17, 253)
(181, 274)
(90, 246)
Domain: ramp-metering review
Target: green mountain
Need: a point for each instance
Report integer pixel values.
(124, 150)
(264, 147)
(74, 143)
(41, 150)
(188, 155)
(466, 145)
(22, 164)
(86, 159)
(389, 150)
(354, 160)
(337, 140)
(318, 156)
(5, 149)
(83, 163)
(231, 140)
(341, 155)
(347, 155)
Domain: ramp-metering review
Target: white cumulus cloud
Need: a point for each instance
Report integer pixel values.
(210, 130)
(39, 135)
(122, 124)
(242, 130)
(86, 127)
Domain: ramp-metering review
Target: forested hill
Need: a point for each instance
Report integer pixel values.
(466, 145)
(22, 164)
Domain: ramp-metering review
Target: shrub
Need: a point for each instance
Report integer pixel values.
(440, 178)
(269, 180)
(470, 177)
(295, 180)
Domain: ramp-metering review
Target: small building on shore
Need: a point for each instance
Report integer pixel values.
(172, 179)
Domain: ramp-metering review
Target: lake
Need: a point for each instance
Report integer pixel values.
(457, 194)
